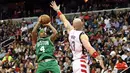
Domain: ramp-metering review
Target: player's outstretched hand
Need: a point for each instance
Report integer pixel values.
(54, 6)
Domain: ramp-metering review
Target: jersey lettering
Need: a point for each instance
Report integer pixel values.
(42, 49)
(40, 43)
(73, 43)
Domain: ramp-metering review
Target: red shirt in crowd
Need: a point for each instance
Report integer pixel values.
(86, 17)
(121, 66)
(93, 71)
(17, 69)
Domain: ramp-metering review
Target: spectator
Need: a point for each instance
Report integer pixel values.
(7, 58)
(67, 64)
(128, 59)
(121, 65)
(107, 22)
(124, 56)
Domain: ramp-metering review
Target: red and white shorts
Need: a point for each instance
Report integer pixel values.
(80, 66)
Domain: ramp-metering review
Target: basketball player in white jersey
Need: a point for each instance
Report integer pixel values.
(77, 39)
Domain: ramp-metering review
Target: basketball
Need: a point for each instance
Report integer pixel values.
(45, 19)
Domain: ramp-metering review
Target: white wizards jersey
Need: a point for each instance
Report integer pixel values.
(75, 44)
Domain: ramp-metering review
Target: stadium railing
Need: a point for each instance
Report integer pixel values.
(29, 19)
(7, 42)
(72, 15)
(125, 70)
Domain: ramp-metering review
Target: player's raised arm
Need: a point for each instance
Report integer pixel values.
(54, 34)
(85, 41)
(62, 17)
(34, 32)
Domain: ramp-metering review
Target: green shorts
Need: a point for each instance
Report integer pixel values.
(45, 67)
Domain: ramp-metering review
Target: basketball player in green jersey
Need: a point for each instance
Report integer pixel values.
(45, 49)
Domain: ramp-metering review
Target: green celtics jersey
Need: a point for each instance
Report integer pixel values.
(44, 48)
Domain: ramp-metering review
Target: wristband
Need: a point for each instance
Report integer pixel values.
(95, 54)
(59, 13)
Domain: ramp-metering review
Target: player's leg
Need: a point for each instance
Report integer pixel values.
(54, 67)
(41, 68)
(80, 66)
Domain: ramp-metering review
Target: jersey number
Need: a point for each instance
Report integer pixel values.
(42, 49)
(73, 45)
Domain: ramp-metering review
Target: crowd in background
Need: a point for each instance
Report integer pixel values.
(23, 8)
(109, 34)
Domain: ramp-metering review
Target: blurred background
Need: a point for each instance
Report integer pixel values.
(26, 8)
(107, 23)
